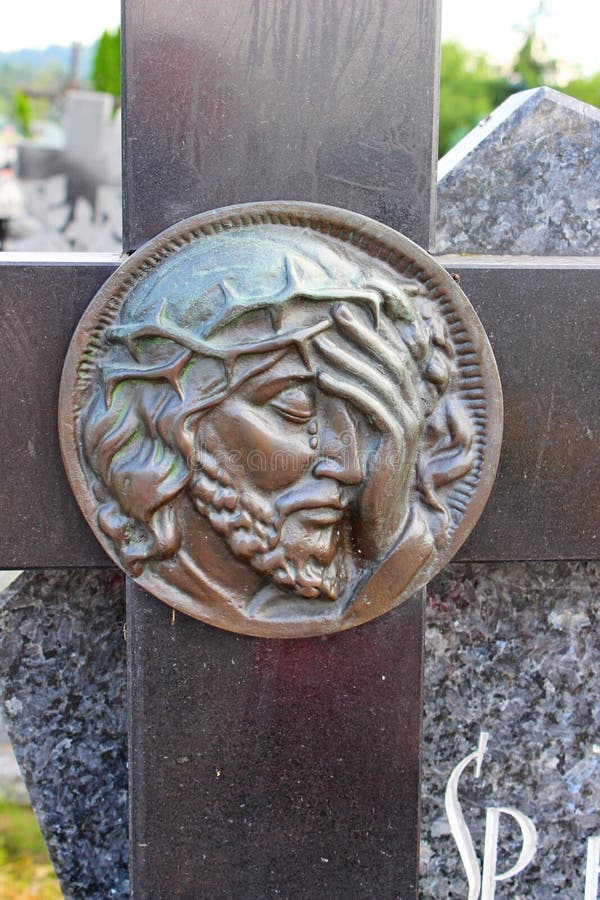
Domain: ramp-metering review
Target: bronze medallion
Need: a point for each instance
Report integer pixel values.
(281, 418)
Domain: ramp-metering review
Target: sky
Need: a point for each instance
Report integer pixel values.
(30, 24)
(571, 28)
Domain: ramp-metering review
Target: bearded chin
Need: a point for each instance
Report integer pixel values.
(305, 561)
(293, 565)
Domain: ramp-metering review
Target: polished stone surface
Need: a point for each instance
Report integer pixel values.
(524, 181)
(509, 648)
(269, 768)
(63, 686)
(512, 649)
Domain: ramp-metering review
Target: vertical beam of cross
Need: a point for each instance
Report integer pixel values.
(330, 102)
(273, 767)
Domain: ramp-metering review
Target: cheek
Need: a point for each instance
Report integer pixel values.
(269, 451)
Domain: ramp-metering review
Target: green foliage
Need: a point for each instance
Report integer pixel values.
(106, 70)
(23, 77)
(586, 89)
(470, 89)
(531, 68)
(25, 870)
(19, 834)
(22, 113)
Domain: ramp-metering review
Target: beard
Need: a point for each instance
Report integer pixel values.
(303, 559)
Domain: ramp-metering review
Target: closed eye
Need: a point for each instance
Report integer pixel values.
(292, 415)
(295, 404)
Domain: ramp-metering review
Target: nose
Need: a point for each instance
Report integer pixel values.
(339, 456)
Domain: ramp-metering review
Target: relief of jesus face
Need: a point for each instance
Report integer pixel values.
(295, 444)
(291, 456)
(268, 427)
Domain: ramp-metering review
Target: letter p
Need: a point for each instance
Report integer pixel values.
(529, 834)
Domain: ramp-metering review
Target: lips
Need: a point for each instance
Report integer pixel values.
(314, 495)
(322, 515)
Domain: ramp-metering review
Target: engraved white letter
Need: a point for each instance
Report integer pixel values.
(592, 869)
(493, 813)
(458, 826)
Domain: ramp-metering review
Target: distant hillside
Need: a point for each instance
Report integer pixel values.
(39, 70)
(34, 61)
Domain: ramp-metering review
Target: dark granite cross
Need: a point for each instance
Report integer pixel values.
(290, 768)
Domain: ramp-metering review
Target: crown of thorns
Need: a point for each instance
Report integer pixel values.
(234, 307)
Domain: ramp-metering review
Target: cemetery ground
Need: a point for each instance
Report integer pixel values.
(26, 872)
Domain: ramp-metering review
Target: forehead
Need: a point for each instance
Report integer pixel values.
(296, 362)
(290, 369)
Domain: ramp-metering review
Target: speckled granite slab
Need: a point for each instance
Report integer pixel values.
(512, 649)
(63, 685)
(524, 181)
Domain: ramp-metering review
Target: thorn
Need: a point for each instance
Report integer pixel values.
(176, 370)
(303, 352)
(276, 315)
(292, 277)
(230, 295)
(129, 341)
(161, 311)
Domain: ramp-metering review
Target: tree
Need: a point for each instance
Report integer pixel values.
(586, 89)
(470, 89)
(106, 70)
(530, 68)
(22, 113)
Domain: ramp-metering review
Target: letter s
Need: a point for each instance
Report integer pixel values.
(458, 826)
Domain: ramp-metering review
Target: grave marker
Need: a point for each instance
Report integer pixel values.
(153, 211)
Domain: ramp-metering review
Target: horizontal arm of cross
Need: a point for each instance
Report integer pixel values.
(539, 314)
